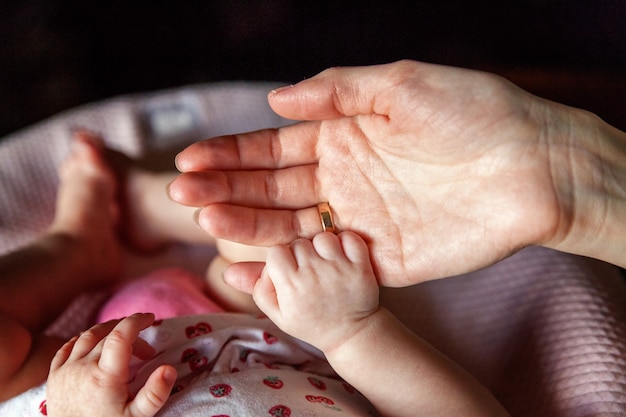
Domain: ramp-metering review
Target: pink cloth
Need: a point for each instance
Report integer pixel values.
(170, 292)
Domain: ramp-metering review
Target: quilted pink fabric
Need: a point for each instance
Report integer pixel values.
(545, 331)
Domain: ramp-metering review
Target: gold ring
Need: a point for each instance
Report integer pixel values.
(327, 217)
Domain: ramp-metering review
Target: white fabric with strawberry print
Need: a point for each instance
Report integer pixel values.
(233, 364)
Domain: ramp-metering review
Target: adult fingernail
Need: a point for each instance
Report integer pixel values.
(196, 217)
(279, 90)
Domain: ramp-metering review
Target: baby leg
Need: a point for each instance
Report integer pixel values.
(152, 219)
(80, 250)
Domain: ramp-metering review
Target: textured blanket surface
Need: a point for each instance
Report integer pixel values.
(545, 331)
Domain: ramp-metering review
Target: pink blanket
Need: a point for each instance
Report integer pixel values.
(545, 331)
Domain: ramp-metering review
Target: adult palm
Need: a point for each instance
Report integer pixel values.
(441, 170)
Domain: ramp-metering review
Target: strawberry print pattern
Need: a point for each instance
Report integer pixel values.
(269, 338)
(188, 354)
(273, 382)
(241, 365)
(198, 363)
(43, 408)
(198, 330)
(317, 383)
(280, 411)
(220, 390)
(319, 399)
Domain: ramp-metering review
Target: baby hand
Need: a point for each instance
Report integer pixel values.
(321, 290)
(89, 374)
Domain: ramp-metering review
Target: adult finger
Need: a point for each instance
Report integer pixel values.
(283, 188)
(264, 149)
(258, 227)
(242, 276)
(342, 91)
(236, 252)
(118, 345)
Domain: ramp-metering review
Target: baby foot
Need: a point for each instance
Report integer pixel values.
(86, 210)
(135, 186)
(133, 191)
(147, 220)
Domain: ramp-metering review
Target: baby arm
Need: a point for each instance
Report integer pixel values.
(325, 292)
(24, 357)
(89, 374)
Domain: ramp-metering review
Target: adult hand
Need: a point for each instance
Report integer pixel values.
(441, 170)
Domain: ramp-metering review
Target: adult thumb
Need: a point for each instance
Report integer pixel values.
(333, 93)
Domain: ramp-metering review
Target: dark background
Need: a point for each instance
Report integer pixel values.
(59, 54)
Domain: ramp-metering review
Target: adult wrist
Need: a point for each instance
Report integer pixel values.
(589, 166)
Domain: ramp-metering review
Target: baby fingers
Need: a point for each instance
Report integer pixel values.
(89, 339)
(63, 354)
(152, 396)
(117, 347)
